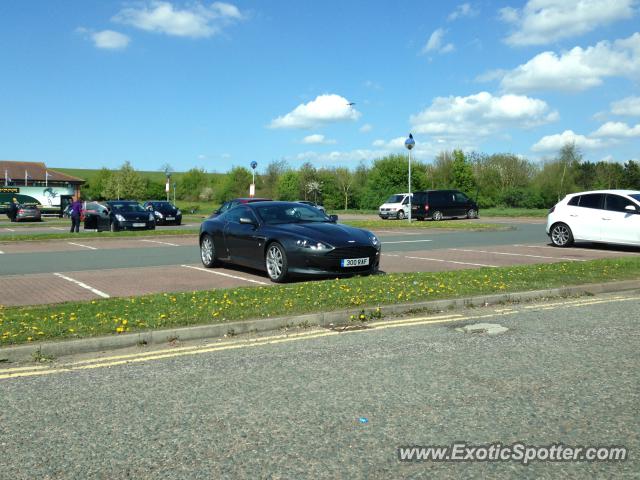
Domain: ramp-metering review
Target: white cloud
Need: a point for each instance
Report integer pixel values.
(317, 139)
(367, 127)
(629, 106)
(372, 85)
(577, 69)
(463, 10)
(108, 39)
(436, 43)
(491, 75)
(541, 22)
(617, 130)
(194, 21)
(553, 143)
(327, 108)
(480, 115)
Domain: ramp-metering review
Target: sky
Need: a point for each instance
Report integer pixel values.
(93, 83)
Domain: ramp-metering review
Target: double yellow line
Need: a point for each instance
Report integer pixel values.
(132, 358)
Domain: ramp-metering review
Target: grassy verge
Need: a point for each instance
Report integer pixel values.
(427, 225)
(19, 237)
(514, 212)
(119, 315)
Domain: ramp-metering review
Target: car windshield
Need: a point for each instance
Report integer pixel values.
(127, 207)
(287, 213)
(395, 199)
(162, 205)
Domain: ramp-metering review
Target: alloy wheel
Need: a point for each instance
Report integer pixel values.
(275, 262)
(560, 235)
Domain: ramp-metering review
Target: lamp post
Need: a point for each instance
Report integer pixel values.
(252, 189)
(167, 172)
(409, 143)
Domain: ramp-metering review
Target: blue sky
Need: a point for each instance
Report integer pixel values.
(88, 83)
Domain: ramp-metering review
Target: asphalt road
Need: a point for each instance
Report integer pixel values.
(337, 405)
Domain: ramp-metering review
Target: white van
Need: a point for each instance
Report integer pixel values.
(396, 206)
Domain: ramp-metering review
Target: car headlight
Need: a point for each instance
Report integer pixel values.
(374, 240)
(312, 245)
(151, 219)
(178, 212)
(158, 214)
(119, 217)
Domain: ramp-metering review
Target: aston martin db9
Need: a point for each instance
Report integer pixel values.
(287, 239)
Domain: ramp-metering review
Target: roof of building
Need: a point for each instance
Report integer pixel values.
(35, 170)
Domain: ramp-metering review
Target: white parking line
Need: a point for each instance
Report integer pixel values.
(391, 255)
(83, 285)
(10, 229)
(518, 255)
(224, 274)
(57, 228)
(577, 248)
(83, 246)
(163, 243)
(406, 241)
(396, 232)
(1, 252)
(453, 261)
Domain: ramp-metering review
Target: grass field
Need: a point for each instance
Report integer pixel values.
(363, 294)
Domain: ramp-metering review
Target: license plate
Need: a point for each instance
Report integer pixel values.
(171, 218)
(139, 224)
(354, 262)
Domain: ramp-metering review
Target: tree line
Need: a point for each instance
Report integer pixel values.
(496, 180)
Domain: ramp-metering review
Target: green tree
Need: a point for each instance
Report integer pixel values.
(192, 183)
(125, 183)
(271, 176)
(235, 184)
(390, 175)
(632, 175)
(462, 173)
(94, 188)
(344, 180)
(288, 186)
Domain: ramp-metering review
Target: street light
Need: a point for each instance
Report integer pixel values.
(167, 172)
(409, 143)
(252, 188)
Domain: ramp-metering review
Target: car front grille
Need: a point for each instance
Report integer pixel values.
(352, 252)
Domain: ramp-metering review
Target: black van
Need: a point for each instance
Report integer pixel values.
(437, 204)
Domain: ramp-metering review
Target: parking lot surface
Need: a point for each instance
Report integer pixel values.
(71, 270)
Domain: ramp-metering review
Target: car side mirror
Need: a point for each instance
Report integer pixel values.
(333, 218)
(246, 221)
(631, 209)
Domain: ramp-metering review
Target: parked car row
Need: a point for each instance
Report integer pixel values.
(429, 204)
(26, 213)
(116, 215)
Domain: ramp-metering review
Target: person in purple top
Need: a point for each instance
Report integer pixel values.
(76, 211)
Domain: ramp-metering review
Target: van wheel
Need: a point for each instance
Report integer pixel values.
(401, 215)
(472, 213)
(437, 215)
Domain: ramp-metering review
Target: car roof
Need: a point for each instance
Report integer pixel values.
(618, 192)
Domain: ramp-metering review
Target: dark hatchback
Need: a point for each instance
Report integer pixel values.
(286, 239)
(229, 204)
(165, 212)
(129, 215)
(438, 204)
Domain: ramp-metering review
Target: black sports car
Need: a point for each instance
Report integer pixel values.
(129, 215)
(165, 212)
(285, 239)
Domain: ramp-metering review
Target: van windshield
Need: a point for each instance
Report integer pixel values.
(395, 199)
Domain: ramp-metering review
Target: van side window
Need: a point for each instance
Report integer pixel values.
(405, 201)
(460, 197)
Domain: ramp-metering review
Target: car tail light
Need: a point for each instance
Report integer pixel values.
(426, 208)
(21, 211)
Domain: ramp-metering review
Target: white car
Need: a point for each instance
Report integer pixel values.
(396, 206)
(603, 216)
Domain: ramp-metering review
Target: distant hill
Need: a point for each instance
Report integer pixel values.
(157, 177)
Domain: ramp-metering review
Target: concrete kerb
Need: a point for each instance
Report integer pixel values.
(28, 352)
